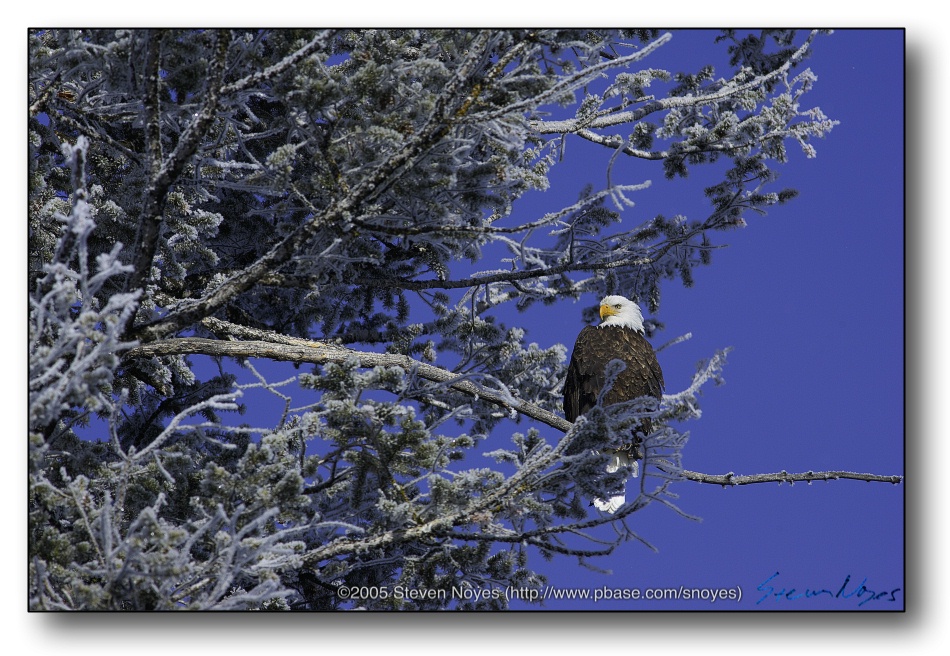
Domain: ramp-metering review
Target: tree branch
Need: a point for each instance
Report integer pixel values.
(576, 81)
(570, 266)
(267, 344)
(574, 124)
(730, 479)
(285, 64)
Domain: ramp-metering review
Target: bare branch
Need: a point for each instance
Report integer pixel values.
(730, 479)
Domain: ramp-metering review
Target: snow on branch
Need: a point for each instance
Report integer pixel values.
(74, 340)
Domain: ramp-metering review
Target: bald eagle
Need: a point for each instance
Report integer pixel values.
(618, 337)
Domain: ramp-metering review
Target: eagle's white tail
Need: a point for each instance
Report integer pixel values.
(617, 460)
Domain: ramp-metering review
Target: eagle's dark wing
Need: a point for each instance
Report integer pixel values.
(583, 381)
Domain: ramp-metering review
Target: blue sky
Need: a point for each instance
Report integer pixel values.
(810, 297)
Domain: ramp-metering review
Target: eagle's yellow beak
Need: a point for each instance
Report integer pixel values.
(607, 311)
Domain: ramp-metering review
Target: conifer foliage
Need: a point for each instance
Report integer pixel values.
(338, 199)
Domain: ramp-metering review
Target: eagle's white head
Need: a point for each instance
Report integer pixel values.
(620, 311)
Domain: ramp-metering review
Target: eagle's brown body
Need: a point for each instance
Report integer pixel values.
(595, 348)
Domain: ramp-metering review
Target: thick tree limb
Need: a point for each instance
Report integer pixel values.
(290, 349)
(256, 343)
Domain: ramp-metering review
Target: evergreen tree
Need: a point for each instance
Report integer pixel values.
(334, 198)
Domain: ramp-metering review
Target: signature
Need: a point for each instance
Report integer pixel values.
(848, 590)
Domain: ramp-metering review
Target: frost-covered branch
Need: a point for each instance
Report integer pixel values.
(74, 342)
(287, 349)
(731, 479)
(675, 102)
(586, 75)
(282, 348)
(317, 43)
